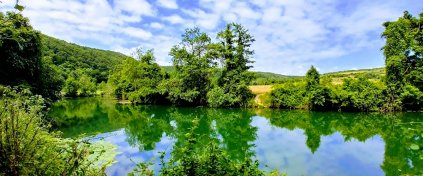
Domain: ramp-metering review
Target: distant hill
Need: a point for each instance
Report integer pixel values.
(168, 68)
(267, 78)
(375, 74)
(376, 71)
(71, 57)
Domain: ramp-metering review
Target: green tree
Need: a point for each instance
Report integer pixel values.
(86, 86)
(192, 60)
(137, 79)
(403, 52)
(316, 94)
(235, 50)
(20, 50)
(312, 79)
(21, 60)
(70, 88)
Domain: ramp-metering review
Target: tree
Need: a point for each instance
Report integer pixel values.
(316, 94)
(235, 43)
(20, 50)
(21, 61)
(312, 79)
(403, 56)
(190, 81)
(137, 79)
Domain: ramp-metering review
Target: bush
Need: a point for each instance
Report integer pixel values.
(411, 98)
(217, 97)
(289, 95)
(319, 99)
(357, 95)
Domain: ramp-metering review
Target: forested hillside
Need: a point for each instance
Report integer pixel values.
(81, 68)
(72, 57)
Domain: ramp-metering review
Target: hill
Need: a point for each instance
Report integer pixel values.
(267, 78)
(71, 57)
(375, 74)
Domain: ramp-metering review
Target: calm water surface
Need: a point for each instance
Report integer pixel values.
(295, 142)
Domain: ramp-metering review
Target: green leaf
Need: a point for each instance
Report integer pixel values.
(414, 147)
(19, 7)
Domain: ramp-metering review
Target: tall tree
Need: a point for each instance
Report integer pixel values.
(236, 51)
(404, 60)
(316, 93)
(312, 79)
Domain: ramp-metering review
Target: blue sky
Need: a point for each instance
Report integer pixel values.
(291, 35)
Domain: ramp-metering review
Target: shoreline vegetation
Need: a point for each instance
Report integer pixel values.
(37, 70)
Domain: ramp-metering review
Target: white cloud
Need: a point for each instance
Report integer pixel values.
(170, 4)
(174, 19)
(137, 32)
(290, 35)
(156, 25)
(202, 19)
(134, 7)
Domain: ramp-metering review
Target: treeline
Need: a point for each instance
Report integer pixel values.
(204, 72)
(401, 88)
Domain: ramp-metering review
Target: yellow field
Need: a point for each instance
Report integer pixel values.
(260, 89)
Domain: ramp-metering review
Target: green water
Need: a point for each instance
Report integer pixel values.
(295, 142)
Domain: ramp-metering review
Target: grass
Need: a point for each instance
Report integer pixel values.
(260, 89)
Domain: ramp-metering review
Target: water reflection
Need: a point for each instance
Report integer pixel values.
(298, 142)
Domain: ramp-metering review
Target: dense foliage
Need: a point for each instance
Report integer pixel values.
(81, 68)
(28, 148)
(404, 62)
(401, 89)
(195, 77)
(192, 61)
(50, 67)
(137, 80)
(267, 78)
(354, 94)
(21, 60)
(70, 57)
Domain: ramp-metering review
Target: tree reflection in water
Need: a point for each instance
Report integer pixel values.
(145, 126)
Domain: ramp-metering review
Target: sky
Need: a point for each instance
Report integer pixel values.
(291, 35)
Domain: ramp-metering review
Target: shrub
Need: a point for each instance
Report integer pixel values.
(217, 97)
(289, 95)
(411, 98)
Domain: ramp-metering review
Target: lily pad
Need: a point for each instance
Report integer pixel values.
(414, 147)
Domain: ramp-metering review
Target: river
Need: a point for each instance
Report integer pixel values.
(294, 142)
